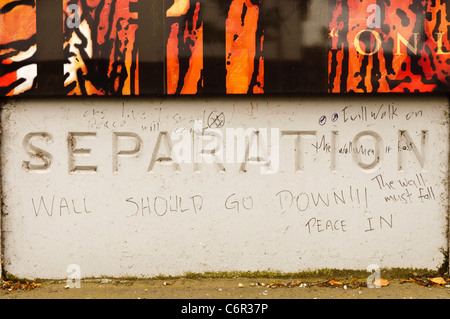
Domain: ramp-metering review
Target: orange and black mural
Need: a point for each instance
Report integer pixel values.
(244, 47)
(184, 48)
(18, 68)
(195, 47)
(243, 38)
(389, 46)
(100, 52)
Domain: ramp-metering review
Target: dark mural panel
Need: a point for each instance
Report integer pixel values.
(197, 47)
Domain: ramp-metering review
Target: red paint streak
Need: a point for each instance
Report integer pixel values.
(8, 79)
(173, 65)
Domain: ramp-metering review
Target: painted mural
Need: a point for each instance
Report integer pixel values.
(389, 46)
(369, 46)
(18, 68)
(100, 52)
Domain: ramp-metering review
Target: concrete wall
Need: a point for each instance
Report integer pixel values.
(1, 250)
(1, 215)
(119, 188)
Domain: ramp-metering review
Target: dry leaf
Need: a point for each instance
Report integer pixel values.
(381, 283)
(438, 280)
(333, 281)
(420, 283)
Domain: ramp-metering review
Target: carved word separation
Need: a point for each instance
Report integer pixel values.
(218, 146)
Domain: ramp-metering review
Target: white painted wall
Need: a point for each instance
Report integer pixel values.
(1, 248)
(137, 214)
